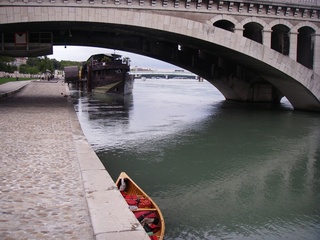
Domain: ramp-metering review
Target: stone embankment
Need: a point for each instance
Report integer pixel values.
(52, 184)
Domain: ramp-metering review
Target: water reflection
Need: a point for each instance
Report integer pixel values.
(218, 170)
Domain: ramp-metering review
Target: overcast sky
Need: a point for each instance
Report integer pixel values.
(74, 53)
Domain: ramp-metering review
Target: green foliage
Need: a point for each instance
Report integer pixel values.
(5, 59)
(45, 63)
(32, 61)
(64, 63)
(24, 68)
(6, 66)
(35, 65)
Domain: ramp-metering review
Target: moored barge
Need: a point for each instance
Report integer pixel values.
(108, 73)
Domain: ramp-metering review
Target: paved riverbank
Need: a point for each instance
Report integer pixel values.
(52, 185)
(11, 88)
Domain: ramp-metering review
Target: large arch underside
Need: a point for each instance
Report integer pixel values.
(241, 69)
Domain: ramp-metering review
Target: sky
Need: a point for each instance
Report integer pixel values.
(74, 53)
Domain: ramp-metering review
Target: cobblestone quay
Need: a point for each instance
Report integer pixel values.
(41, 190)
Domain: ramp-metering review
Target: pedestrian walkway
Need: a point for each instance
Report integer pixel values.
(11, 88)
(52, 185)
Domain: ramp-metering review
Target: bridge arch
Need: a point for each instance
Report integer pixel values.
(280, 36)
(254, 29)
(280, 40)
(224, 17)
(217, 48)
(306, 51)
(305, 46)
(253, 19)
(224, 24)
(306, 24)
(280, 22)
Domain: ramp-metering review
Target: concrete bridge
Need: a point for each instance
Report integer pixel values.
(249, 50)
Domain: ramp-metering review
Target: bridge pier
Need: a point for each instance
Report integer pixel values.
(293, 45)
(316, 62)
(266, 35)
(241, 85)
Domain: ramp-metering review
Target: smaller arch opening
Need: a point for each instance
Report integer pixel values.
(280, 39)
(253, 31)
(305, 48)
(224, 24)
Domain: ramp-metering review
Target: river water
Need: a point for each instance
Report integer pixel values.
(217, 169)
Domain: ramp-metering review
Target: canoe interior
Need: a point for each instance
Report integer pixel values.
(133, 189)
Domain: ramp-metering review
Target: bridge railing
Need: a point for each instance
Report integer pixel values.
(290, 2)
(310, 3)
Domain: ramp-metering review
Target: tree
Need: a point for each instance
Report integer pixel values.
(32, 61)
(35, 65)
(4, 59)
(24, 68)
(56, 64)
(45, 63)
(64, 63)
(6, 64)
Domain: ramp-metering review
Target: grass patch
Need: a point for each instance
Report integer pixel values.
(6, 79)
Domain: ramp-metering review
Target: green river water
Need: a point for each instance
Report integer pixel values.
(217, 169)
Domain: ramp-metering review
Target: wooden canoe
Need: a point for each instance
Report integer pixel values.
(143, 207)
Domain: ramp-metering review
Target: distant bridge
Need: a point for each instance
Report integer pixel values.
(163, 74)
(249, 50)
